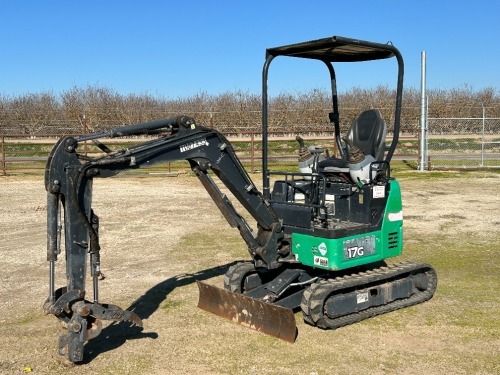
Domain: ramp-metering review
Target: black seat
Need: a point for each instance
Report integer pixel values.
(368, 132)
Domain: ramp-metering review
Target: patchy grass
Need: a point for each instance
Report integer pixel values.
(160, 235)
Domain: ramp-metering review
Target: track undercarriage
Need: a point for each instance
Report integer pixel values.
(327, 300)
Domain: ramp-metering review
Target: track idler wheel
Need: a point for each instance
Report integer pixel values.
(235, 279)
(313, 303)
(243, 277)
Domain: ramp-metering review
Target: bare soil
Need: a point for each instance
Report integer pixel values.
(160, 234)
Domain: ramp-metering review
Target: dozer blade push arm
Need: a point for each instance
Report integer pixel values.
(68, 181)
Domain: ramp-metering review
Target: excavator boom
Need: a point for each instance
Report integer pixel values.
(68, 182)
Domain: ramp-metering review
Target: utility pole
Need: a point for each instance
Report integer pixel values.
(423, 117)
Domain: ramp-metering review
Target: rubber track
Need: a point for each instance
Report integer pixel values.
(233, 279)
(314, 297)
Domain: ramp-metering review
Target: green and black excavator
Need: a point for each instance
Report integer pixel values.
(323, 234)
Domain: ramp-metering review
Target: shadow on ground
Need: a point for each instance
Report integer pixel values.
(116, 334)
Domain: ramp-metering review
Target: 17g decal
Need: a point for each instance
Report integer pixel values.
(359, 247)
(355, 252)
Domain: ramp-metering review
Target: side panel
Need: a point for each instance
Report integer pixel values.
(358, 249)
(338, 253)
(392, 226)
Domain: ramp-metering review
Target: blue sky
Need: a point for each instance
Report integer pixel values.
(176, 49)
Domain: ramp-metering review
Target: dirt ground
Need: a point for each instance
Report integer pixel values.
(160, 234)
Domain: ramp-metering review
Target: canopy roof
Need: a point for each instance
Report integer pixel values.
(336, 49)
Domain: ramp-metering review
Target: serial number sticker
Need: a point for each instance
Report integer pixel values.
(359, 247)
(362, 297)
(378, 191)
(321, 261)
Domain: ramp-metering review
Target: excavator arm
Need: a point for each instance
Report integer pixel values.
(68, 181)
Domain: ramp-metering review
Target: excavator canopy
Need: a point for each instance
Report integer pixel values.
(336, 49)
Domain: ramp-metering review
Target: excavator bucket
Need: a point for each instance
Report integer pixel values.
(261, 316)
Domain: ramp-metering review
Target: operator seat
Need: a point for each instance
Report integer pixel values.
(367, 132)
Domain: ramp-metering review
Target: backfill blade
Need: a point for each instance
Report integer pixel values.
(261, 316)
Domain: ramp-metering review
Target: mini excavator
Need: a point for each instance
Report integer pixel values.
(323, 233)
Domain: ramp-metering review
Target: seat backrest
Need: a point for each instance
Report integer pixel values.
(368, 132)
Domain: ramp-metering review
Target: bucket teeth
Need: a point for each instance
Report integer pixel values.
(261, 316)
(114, 313)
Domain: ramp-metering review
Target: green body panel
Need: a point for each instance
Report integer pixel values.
(358, 249)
